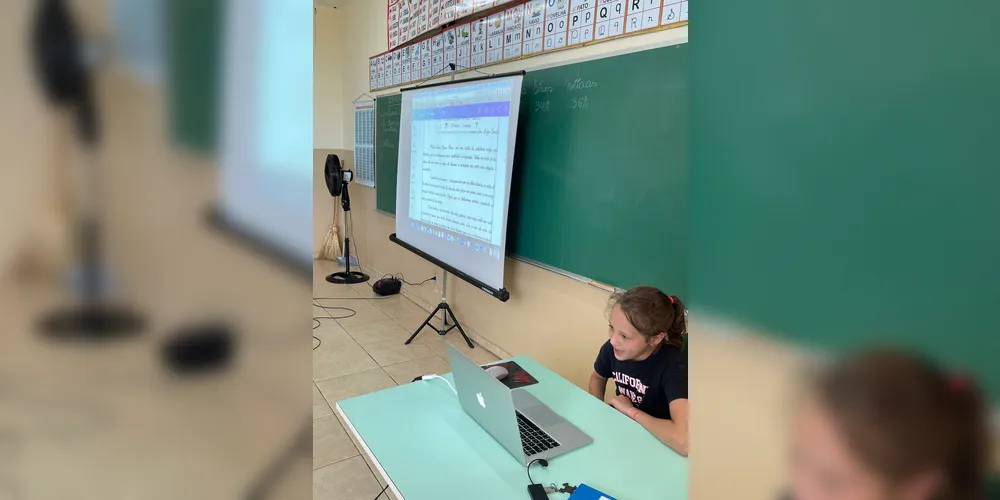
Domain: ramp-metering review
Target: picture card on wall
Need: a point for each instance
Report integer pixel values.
(404, 65)
(513, 31)
(478, 29)
(610, 19)
(581, 22)
(464, 8)
(422, 8)
(393, 25)
(397, 67)
(434, 14)
(426, 56)
(556, 23)
(415, 57)
(646, 16)
(494, 37)
(437, 54)
(534, 27)
(447, 11)
(404, 21)
(463, 41)
(671, 14)
(414, 16)
(450, 48)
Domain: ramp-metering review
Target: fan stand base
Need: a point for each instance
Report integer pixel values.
(348, 278)
(92, 323)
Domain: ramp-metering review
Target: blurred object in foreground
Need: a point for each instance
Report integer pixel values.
(884, 423)
(113, 422)
(66, 74)
(842, 195)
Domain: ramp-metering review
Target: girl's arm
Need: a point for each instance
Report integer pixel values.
(672, 432)
(598, 385)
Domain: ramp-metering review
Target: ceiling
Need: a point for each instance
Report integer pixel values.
(331, 3)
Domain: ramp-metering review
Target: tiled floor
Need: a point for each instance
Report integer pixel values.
(358, 354)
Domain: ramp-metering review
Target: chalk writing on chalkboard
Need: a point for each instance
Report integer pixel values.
(580, 84)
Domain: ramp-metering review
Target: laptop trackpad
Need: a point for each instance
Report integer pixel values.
(542, 416)
(535, 410)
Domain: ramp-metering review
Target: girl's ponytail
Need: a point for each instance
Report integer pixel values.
(968, 462)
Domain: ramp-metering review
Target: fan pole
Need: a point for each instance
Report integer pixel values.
(347, 277)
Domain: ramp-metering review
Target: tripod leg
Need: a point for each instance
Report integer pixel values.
(459, 326)
(422, 325)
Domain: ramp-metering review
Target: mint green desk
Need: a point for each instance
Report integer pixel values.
(427, 448)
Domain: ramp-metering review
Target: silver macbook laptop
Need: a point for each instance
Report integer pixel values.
(517, 420)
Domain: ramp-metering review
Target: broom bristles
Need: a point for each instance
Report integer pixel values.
(330, 249)
(331, 245)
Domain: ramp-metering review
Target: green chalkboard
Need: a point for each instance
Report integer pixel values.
(387, 111)
(845, 174)
(600, 173)
(194, 47)
(599, 183)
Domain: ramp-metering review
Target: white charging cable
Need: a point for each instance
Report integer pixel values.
(428, 377)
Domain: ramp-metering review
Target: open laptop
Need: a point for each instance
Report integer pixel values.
(522, 424)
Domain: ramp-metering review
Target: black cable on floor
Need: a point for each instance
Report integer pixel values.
(328, 308)
(400, 275)
(317, 320)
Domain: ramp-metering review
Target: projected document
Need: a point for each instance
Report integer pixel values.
(456, 151)
(458, 167)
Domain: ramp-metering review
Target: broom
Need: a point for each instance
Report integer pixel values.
(330, 249)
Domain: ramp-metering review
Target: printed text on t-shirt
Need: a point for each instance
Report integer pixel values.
(630, 383)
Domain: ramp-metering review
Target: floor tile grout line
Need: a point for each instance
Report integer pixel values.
(432, 355)
(324, 398)
(360, 454)
(316, 381)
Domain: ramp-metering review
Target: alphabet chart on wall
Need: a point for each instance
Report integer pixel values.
(426, 36)
(364, 142)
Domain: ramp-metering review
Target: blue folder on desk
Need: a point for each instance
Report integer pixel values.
(584, 492)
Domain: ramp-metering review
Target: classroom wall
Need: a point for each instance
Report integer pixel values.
(329, 101)
(741, 383)
(556, 320)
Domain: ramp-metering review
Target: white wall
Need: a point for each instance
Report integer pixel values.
(329, 99)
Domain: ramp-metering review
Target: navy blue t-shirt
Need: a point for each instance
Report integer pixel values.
(652, 383)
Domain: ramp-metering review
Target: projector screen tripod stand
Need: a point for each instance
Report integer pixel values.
(445, 313)
(337, 179)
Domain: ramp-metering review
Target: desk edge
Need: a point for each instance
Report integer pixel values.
(356, 436)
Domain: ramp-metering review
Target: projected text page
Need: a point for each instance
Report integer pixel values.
(458, 155)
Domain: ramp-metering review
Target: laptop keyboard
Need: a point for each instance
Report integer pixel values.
(533, 439)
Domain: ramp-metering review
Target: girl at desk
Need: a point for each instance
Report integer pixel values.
(887, 425)
(645, 357)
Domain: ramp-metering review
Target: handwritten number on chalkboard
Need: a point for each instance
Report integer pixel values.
(581, 102)
(542, 106)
